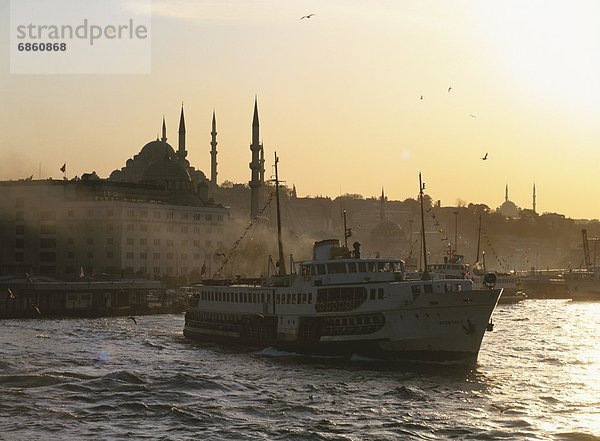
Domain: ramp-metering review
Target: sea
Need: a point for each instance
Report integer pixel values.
(537, 377)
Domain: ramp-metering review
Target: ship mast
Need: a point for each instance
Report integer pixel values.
(345, 231)
(279, 241)
(425, 275)
(478, 240)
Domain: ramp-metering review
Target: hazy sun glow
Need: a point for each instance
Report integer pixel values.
(339, 95)
(550, 48)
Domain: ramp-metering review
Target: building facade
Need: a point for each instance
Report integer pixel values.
(95, 226)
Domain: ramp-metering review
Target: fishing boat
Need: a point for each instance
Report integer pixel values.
(339, 304)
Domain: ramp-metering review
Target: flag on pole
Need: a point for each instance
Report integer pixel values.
(64, 167)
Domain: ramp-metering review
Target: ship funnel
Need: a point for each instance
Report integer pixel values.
(322, 248)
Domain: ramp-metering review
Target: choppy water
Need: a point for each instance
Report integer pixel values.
(537, 377)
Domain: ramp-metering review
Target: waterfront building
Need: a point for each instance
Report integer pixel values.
(151, 218)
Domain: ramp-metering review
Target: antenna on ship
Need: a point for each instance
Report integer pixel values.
(478, 240)
(345, 230)
(279, 241)
(425, 275)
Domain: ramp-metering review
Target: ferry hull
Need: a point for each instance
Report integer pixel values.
(444, 332)
(375, 349)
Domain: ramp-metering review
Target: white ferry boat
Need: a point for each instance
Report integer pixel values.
(338, 304)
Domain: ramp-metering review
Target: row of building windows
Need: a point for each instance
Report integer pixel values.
(131, 241)
(51, 242)
(91, 213)
(45, 256)
(44, 229)
(50, 228)
(51, 256)
(156, 256)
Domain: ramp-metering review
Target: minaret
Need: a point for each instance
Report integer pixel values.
(164, 131)
(382, 207)
(181, 153)
(534, 198)
(506, 194)
(255, 165)
(262, 165)
(213, 152)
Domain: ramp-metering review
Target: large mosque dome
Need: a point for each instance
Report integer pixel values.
(166, 170)
(155, 150)
(158, 161)
(509, 209)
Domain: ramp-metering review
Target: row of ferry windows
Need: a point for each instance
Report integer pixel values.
(350, 267)
(236, 297)
(245, 297)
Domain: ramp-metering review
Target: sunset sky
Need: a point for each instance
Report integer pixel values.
(339, 98)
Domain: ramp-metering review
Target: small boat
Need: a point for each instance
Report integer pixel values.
(340, 304)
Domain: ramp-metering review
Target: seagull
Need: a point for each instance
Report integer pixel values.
(485, 157)
(306, 16)
(12, 295)
(220, 254)
(132, 318)
(449, 89)
(472, 116)
(421, 96)
(37, 309)
(29, 277)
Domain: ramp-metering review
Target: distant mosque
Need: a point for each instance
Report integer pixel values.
(510, 210)
(159, 163)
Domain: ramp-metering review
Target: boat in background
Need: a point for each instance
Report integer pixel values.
(585, 284)
(544, 284)
(454, 267)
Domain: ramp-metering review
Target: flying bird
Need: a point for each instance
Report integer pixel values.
(132, 318)
(485, 157)
(421, 96)
(472, 116)
(37, 309)
(220, 254)
(449, 89)
(306, 16)
(12, 295)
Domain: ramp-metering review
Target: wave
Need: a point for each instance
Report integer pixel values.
(29, 381)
